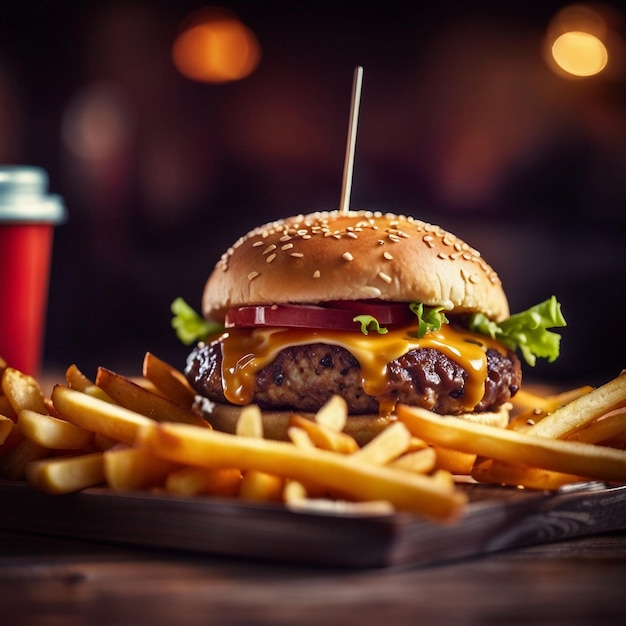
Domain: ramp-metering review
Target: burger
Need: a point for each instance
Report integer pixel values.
(377, 308)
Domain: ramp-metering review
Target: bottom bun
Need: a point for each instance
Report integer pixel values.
(363, 428)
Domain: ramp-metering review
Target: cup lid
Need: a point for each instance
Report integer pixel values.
(24, 196)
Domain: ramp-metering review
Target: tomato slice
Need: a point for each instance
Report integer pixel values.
(339, 316)
(384, 312)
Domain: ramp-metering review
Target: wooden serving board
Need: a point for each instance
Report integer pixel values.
(497, 518)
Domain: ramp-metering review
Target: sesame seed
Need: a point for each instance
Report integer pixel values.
(387, 256)
(297, 255)
(447, 241)
(269, 248)
(384, 277)
(316, 274)
(394, 238)
(442, 255)
(270, 258)
(428, 240)
(352, 235)
(285, 238)
(286, 246)
(473, 279)
(347, 256)
(258, 243)
(253, 275)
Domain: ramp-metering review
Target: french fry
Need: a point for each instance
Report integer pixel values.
(606, 428)
(419, 461)
(386, 446)
(22, 391)
(499, 472)
(136, 398)
(260, 486)
(524, 420)
(536, 407)
(575, 415)
(13, 437)
(299, 437)
(527, 400)
(53, 433)
(133, 469)
(454, 461)
(294, 491)
(340, 473)
(256, 486)
(416, 444)
(97, 415)
(324, 437)
(444, 479)
(6, 409)
(77, 380)
(61, 475)
(6, 426)
(168, 380)
(569, 457)
(194, 481)
(334, 414)
(250, 422)
(102, 442)
(13, 462)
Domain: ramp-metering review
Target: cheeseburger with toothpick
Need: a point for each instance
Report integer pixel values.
(377, 308)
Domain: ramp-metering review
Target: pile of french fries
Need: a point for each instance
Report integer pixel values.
(142, 434)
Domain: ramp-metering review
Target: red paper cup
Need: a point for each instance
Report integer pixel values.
(28, 215)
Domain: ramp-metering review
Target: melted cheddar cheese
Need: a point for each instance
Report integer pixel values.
(247, 351)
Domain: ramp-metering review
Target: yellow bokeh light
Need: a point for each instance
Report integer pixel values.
(580, 53)
(216, 48)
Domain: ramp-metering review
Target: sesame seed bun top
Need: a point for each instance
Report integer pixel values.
(356, 255)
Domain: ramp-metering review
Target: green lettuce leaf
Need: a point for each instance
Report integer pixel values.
(428, 317)
(526, 331)
(369, 322)
(189, 326)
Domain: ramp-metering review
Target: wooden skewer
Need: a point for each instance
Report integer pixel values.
(349, 160)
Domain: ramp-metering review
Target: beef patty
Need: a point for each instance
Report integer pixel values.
(304, 378)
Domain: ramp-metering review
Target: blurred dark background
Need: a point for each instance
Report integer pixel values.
(465, 121)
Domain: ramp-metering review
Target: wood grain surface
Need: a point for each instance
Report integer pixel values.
(48, 581)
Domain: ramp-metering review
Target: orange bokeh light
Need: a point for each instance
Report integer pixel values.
(215, 47)
(580, 42)
(580, 53)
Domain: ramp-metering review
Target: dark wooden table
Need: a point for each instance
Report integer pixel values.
(56, 581)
